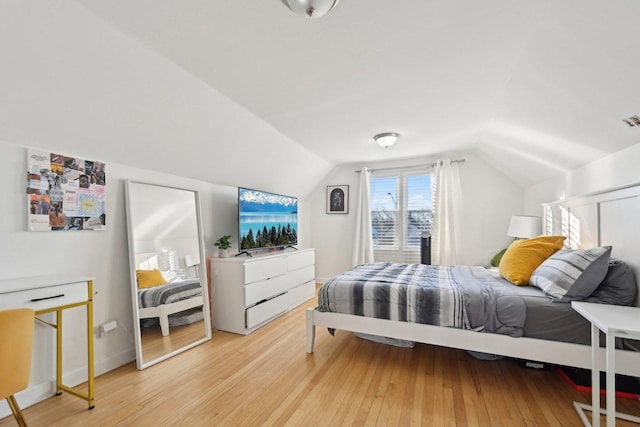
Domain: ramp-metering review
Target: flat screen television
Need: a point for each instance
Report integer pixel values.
(266, 220)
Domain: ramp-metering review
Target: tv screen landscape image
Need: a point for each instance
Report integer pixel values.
(266, 220)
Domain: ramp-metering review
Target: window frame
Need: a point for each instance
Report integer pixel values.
(396, 246)
(402, 209)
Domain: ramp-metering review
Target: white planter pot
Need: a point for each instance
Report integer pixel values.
(223, 253)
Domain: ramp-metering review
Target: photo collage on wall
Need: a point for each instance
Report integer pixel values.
(65, 193)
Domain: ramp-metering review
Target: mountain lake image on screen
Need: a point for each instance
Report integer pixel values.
(266, 220)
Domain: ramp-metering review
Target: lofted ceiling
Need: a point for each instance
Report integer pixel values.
(534, 88)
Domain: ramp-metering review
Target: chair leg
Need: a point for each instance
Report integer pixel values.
(17, 413)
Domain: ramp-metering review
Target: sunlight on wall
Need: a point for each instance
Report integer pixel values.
(165, 260)
(570, 226)
(172, 220)
(553, 149)
(575, 233)
(548, 220)
(560, 220)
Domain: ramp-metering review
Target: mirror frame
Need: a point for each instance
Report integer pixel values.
(201, 269)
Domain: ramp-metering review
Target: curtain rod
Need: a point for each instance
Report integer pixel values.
(411, 167)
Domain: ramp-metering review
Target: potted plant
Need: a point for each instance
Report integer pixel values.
(224, 244)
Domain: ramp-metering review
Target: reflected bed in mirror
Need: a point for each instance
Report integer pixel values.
(170, 298)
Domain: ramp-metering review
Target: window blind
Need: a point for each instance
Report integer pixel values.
(400, 213)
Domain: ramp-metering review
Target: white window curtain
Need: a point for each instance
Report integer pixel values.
(363, 238)
(447, 211)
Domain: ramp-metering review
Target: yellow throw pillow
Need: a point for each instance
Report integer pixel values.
(524, 256)
(149, 278)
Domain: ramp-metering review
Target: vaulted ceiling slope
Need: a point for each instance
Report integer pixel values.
(73, 82)
(535, 89)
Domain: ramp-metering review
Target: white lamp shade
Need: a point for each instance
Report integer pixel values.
(311, 8)
(524, 227)
(191, 260)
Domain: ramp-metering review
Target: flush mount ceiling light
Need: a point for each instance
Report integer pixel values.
(386, 139)
(632, 121)
(310, 8)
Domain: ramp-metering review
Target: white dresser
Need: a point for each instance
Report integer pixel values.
(247, 293)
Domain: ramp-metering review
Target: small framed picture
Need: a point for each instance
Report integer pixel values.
(337, 199)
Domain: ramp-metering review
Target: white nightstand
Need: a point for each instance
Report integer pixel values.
(614, 321)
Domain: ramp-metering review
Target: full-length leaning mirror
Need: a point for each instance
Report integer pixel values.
(168, 279)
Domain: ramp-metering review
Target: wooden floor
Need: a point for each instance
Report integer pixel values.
(155, 345)
(267, 379)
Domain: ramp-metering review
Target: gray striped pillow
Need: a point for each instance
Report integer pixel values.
(572, 275)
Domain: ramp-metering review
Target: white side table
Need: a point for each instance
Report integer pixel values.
(614, 321)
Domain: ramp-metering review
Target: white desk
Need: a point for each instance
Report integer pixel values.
(614, 321)
(53, 294)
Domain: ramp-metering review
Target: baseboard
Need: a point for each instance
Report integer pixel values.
(39, 392)
(112, 362)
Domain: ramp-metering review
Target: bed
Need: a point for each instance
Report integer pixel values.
(524, 322)
(166, 297)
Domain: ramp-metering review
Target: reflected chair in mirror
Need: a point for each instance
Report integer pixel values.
(16, 341)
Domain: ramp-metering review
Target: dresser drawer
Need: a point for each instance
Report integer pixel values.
(299, 260)
(46, 297)
(265, 289)
(266, 310)
(302, 275)
(261, 270)
(301, 293)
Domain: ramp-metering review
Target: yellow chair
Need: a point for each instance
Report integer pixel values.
(16, 340)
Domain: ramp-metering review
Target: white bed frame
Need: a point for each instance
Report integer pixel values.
(605, 218)
(163, 311)
(168, 261)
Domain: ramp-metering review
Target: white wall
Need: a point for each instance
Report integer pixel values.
(616, 170)
(101, 254)
(490, 199)
(76, 82)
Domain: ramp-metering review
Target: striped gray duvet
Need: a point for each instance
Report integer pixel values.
(166, 294)
(462, 297)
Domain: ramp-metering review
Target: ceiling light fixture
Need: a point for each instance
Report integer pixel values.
(386, 139)
(632, 121)
(310, 8)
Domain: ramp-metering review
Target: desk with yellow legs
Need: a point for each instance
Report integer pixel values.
(54, 294)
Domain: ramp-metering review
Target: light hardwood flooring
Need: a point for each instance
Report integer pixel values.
(154, 345)
(266, 378)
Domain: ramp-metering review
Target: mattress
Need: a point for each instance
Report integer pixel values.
(555, 321)
(547, 319)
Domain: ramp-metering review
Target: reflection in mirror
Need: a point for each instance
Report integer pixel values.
(169, 290)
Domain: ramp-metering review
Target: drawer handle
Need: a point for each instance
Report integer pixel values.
(42, 299)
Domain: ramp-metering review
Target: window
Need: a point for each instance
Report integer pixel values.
(400, 213)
